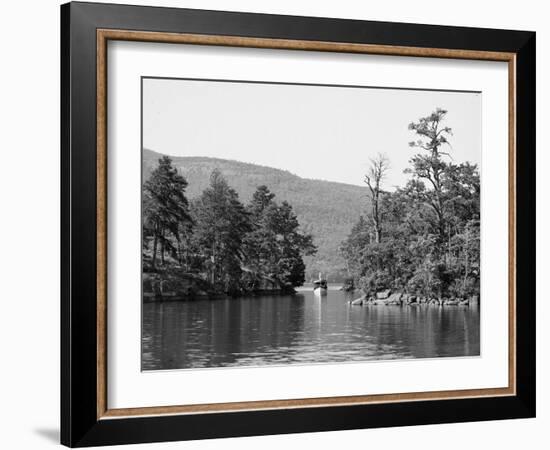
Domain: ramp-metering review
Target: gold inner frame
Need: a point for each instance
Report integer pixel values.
(104, 35)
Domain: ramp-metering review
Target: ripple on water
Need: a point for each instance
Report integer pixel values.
(300, 329)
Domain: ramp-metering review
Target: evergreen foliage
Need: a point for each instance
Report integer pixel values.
(165, 210)
(235, 248)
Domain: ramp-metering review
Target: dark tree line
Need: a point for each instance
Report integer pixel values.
(422, 238)
(235, 247)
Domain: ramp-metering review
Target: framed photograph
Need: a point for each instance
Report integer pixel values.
(277, 224)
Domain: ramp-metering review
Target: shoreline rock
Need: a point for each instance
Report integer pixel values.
(386, 298)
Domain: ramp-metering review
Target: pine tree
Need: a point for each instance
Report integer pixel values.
(294, 245)
(165, 209)
(276, 246)
(221, 225)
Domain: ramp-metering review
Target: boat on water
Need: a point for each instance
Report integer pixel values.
(320, 286)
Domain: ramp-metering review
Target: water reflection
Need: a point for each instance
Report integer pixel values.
(300, 328)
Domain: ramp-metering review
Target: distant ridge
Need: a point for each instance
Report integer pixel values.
(326, 209)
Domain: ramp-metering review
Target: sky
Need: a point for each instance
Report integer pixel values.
(318, 132)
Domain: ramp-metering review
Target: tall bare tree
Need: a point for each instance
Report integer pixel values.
(379, 165)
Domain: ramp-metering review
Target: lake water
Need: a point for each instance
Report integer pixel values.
(300, 329)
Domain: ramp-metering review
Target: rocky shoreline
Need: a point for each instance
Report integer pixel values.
(388, 297)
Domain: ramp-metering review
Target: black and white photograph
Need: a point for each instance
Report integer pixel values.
(302, 224)
(279, 224)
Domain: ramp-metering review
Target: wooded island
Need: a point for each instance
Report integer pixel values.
(421, 240)
(215, 245)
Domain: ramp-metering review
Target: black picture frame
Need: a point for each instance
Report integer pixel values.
(80, 425)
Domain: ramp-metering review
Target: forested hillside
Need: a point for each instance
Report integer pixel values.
(326, 210)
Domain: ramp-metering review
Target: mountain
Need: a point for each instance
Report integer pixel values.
(326, 209)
